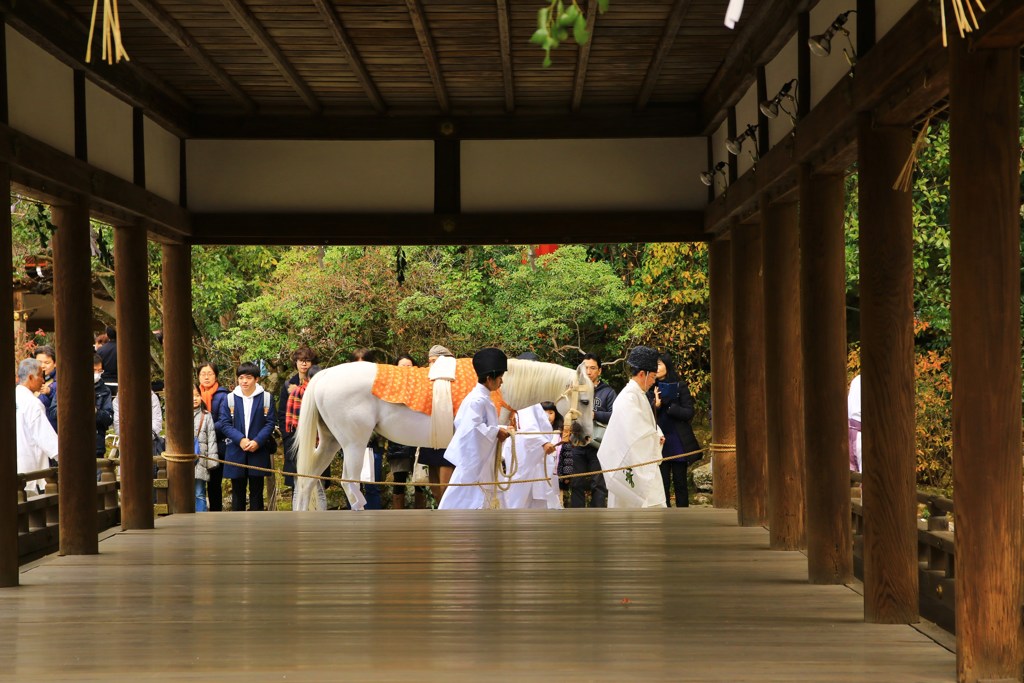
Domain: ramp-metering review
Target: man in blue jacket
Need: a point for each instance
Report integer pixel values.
(247, 420)
(584, 458)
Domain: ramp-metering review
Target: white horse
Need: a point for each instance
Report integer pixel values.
(340, 409)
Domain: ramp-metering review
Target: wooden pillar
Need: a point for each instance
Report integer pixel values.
(723, 383)
(8, 442)
(748, 321)
(985, 308)
(783, 375)
(823, 333)
(76, 400)
(887, 377)
(131, 272)
(178, 377)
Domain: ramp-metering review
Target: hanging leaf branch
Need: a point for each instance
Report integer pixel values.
(556, 20)
(962, 9)
(110, 33)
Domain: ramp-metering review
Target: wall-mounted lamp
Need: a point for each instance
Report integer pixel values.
(821, 44)
(708, 177)
(772, 107)
(735, 145)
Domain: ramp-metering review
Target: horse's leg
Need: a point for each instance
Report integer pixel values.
(352, 467)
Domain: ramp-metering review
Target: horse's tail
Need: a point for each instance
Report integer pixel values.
(305, 444)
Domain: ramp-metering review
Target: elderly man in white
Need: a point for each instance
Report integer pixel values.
(37, 442)
(633, 437)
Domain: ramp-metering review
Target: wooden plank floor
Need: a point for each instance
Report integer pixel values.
(602, 595)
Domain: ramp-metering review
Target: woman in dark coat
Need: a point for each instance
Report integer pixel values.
(673, 406)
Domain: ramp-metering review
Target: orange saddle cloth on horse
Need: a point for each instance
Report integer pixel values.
(412, 388)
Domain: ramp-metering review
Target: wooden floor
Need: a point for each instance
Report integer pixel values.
(601, 595)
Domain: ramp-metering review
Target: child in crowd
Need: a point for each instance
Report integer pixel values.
(206, 445)
(247, 420)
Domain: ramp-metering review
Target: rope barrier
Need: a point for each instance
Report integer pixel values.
(342, 480)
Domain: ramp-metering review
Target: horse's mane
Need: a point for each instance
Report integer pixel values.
(527, 379)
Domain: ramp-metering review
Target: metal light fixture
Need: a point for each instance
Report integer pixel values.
(735, 145)
(772, 107)
(708, 177)
(821, 44)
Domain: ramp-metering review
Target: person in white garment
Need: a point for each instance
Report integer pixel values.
(633, 437)
(37, 442)
(477, 434)
(532, 450)
(853, 415)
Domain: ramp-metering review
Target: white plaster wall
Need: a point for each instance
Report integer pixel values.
(163, 160)
(109, 123)
(827, 71)
(746, 114)
(310, 175)
(718, 139)
(566, 175)
(888, 12)
(41, 93)
(778, 72)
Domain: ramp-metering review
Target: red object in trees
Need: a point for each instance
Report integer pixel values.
(546, 249)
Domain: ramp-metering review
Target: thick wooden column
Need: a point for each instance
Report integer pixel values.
(131, 270)
(887, 377)
(178, 378)
(783, 375)
(76, 400)
(985, 307)
(748, 325)
(723, 383)
(8, 442)
(823, 332)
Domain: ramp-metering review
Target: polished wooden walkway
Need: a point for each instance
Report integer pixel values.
(667, 595)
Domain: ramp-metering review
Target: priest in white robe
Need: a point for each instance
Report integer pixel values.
(473, 448)
(37, 442)
(633, 437)
(533, 448)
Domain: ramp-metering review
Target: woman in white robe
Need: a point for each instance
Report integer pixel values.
(473, 448)
(532, 455)
(633, 437)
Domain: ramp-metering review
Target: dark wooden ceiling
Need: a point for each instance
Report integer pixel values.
(400, 68)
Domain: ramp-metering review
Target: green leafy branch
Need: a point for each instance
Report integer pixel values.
(555, 21)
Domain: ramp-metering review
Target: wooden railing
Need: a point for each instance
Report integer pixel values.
(934, 554)
(39, 516)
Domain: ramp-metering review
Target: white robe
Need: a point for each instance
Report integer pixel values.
(632, 437)
(853, 413)
(37, 442)
(532, 460)
(472, 451)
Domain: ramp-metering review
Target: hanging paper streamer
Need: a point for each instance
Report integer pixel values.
(110, 35)
(964, 14)
(732, 14)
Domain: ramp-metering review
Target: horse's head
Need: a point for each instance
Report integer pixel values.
(577, 404)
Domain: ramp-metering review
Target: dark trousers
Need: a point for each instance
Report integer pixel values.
(371, 491)
(585, 460)
(214, 491)
(673, 473)
(255, 493)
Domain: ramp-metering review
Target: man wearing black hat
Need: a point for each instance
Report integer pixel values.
(477, 434)
(633, 437)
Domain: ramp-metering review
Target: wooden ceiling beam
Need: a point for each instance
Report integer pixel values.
(330, 15)
(583, 59)
(668, 39)
(760, 37)
(592, 122)
(63, 34)
(176, 32)
(505, 42)
(419, 23)
(248, 21)
(412, 229)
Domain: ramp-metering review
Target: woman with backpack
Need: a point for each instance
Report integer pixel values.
(205, 445)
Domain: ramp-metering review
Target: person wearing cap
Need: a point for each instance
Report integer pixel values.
(438, 467)
(532, 450)
(633, 437)
(477, 434)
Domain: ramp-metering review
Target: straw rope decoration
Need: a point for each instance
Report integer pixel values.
(110, 39)
(961, 10)
(905, 180)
